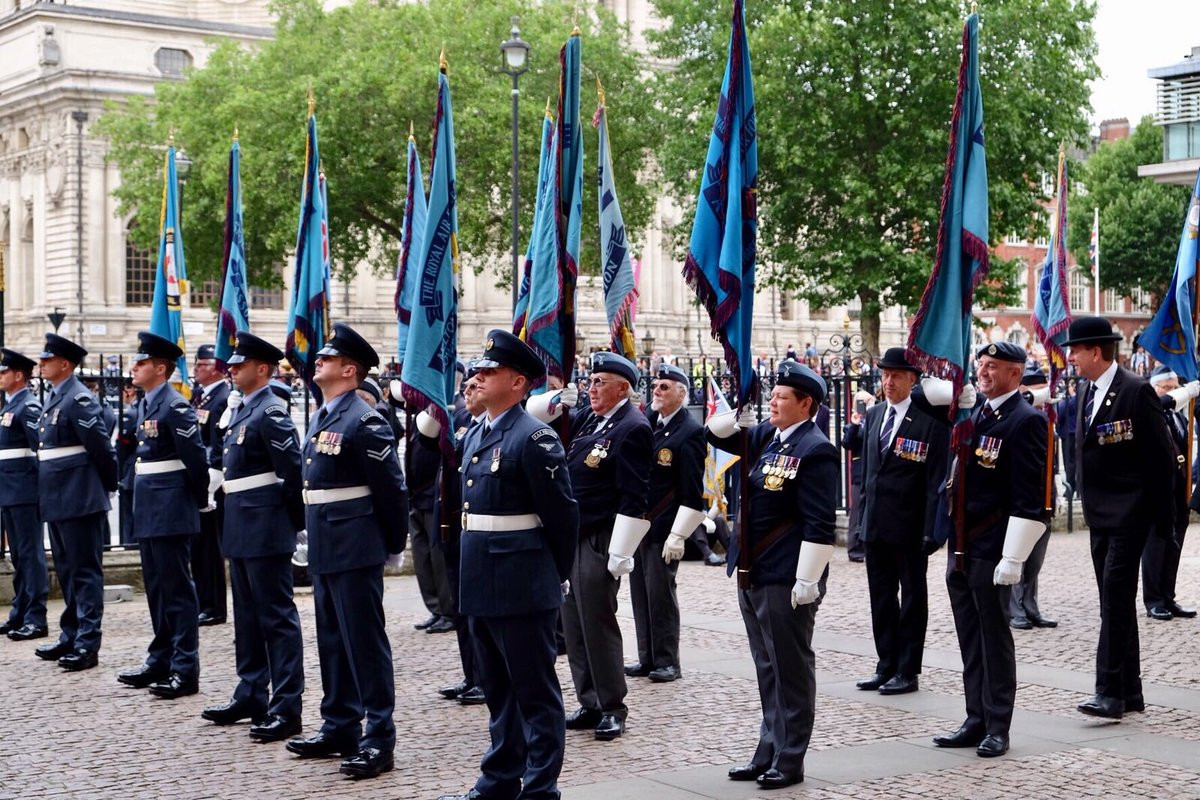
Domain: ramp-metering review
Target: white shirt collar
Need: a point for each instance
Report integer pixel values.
(996, 402)
(901, 407)
(613, 410)
(788, 431)
(1105, 380)
(664, 419)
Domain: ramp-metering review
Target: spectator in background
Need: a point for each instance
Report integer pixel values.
(1139, 362)
(791, 352)
(810, 355)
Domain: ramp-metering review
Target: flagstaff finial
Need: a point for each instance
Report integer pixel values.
(974, 7)
(443, 64)
(171, 138)
(312, 101)
(235, 133)
(600, 92)
(575, 20)
(411, 129)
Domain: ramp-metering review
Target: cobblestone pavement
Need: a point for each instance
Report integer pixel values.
(85, 736)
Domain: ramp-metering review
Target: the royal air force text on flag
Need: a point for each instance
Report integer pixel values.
(413, 234)
(1171, 336)
(170, 280)
(234, 312)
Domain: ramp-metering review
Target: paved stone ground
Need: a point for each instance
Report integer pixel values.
(85, 736)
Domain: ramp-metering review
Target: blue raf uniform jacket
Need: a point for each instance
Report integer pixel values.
(353, 446)
(78, 484)
(609, 462)
(169, 503)
(518, 468)
(19, 431)
(677, 471)
(208, 413)
(262, 439)
(793, 504)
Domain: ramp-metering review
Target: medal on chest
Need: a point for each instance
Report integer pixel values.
(1112, 432)
(202, 415)
(778, 468)
(7, 419)
(495, 460)
(664, 457)
(150, 428)
(911, 450)
(988, 451)
(241, 437)
(599, 453)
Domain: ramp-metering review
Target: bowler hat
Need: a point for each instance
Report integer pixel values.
(1091, 330)
(897, 358)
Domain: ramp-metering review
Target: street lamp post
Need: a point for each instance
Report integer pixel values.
(56, 318)
(3, 244)
(516, 52)
(79, 117)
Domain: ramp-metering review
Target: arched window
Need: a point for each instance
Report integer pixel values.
(139, 272)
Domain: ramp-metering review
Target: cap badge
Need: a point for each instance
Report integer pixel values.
(491, 343)
(992, 350)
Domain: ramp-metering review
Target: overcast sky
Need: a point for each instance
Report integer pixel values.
(1134, 36)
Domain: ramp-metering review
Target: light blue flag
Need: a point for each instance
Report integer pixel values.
(620, 287)
(1052, 308)
(544, 173)
(233, 314)
(170, 280)
(407, 271)
(720, 263)
(939, 340)
(542, 329)
(1171, 337)
(428, 371)
(308, 317)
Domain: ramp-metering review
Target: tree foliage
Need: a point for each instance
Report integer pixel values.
(854, 100)
(1140, 220)
(373, 68)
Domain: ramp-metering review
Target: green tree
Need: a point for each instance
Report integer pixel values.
(373, 68)
(853, 100)
(1140, 220)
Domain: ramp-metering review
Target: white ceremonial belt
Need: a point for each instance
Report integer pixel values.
(16, 452)
(313, 497)
(51, 453)
(157, 467)
(497, 523)
(250, 482)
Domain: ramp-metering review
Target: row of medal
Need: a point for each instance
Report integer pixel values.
(1113, 432)
(988, 451)
(328, 442)
(7, 420)
(777, 469)
(150, 428)
(599, 452)
(911, 450)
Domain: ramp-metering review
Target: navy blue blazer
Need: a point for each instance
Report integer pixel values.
(616, 479)
(78, 484)
(677, 470)
(169, 503)
(19, 431)
(262, 521)
(209, 409)
(518, 468)
(352, 534)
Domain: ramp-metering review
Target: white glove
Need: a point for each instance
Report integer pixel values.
(215, 478)
(395, 560)
(235, 400)
(626, 536)
(1041, 396)
(619, 565)
(686, 520)
(569, 395)
(673, 547)
(714, 511)
(747, 418)
(428, 425)
(710, 525)
(937, 391)
(545, 407)
(1189, 391)
(566, 587)
(723, 425)
(396, 388)
(805, 592)
(810, 566)
(1008, 572)
(968, 397)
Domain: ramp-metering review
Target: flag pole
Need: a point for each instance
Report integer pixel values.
(1191, 426)
(1096, 265)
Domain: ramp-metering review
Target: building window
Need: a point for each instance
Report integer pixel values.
(1041, 241)
(1014, 239)
(785, 306)
(1081, 290)
(1113, 303)
(172, 61)
(206, 294)
(1023, 284)
(1141, 301)
(139, 273)
(266, 298)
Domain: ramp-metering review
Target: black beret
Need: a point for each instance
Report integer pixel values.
(345, 341)
(1002, 351)
(151, 345)
(63, 347)
(604, 361)
(205, 352)
(502, 349)
(247, 345)
(800, 376)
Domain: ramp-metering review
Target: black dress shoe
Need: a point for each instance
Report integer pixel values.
(1135, 703)
(174, 686)
(471, 795)
(52, 652)
(322, 746)
(452, 692)
(27, 632)
(857, 559)
(143, 676)
(369, 763)
(274, 728)
(6, 626)
(746, 772)
(714, 560)
(1159, 612)
(963, 737)
(774, 779)
(1043, 622)
(994, 744)
(637, 670)
(583, 719)
(610, 727)
(79, 660)
(426, 623)
(473, 697)
(899, 684)
(1175, 609)
(232, 712)
(206, 619)
(1020, 623)
(874, 682)
(443, 625)
(665, 674)
(1101, 706)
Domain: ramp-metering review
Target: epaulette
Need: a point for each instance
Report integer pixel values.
(540, 432)
(181, 406)
(83, 397)
(372, 416)
(275, 410)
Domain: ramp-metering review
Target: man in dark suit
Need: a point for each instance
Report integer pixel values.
(19, 499)
(782, 565)
(1160, 559)
(520, 526)
(356, 509)
(208, 563)
(261, 483)
(677, 489)
(77, 469)
(126, 447)
(1125, 473)
(169, 489)
(904, 461)
(1003, 491)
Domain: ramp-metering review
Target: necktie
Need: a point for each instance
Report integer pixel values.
(987, 411)
(322, 415)
(141, 411)
(885, 433)
(487, 429)
(1088, 407)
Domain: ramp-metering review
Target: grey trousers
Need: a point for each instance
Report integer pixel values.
(655, 606)
(430, 565)
(593, 637)
(1023, 603)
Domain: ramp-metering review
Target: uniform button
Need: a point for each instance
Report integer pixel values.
(308, 461)
(470, 482)
(43, 430)
(466, 506)
(306, 484)
(139, 459)
(474, 459)
(225, 469)
(314, 440)
(226, 449)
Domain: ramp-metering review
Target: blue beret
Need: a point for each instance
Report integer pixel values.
(673, 373)
(205, 352)
(800, 376)
(1002, 351)
(605, 361)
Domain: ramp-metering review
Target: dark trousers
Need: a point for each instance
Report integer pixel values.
(31, 582)
(171, 596)
(655, 606)
(125, 514)
(784, 662)
(899, 606)
(208, 566)
(855, 547)
(1115, 559)
(76, 545)
(1023, 604)
(527, 721)
(429, 564)
(356, 658)
(590, 628)
(1160, 568)
(466, 649)
(986, 644)
(267, 642)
